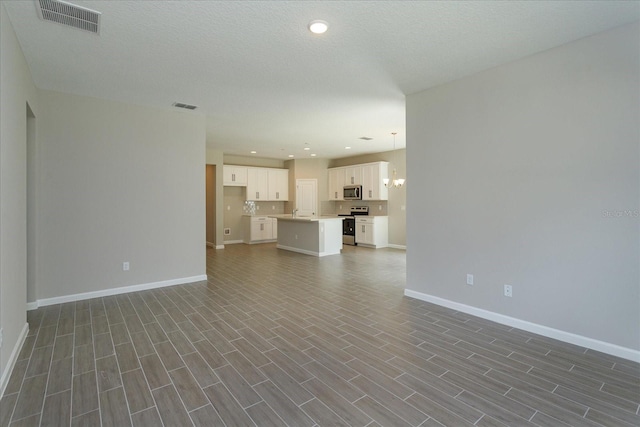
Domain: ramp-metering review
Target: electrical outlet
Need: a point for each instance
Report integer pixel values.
(125, 266)
(508, 291)
(227, 232)
(469, 279)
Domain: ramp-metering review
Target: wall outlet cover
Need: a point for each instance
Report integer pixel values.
(508, 291)
(469, 279)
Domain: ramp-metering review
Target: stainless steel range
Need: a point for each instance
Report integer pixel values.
(349, 224)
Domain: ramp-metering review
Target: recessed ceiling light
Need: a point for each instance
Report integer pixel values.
(318, 27)
(313, 154)
(253, 152)
(307, 148)
(290, 155)
(347, 148)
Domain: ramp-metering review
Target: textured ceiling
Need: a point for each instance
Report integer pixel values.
(265, 83)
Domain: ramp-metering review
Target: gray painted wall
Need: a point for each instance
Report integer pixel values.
(522, 172)
(17, 89)
(118, 183)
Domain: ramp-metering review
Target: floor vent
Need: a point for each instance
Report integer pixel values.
(69, 14)
(185, 106)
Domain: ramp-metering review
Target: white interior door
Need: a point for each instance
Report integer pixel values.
(306, 197)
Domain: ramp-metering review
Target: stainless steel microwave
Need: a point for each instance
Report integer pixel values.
(352, 192)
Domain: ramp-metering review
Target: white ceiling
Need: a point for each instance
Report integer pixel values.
(266, 83)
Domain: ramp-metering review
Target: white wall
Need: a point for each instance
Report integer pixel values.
(512, 172)
(16, 90)
(117, 183)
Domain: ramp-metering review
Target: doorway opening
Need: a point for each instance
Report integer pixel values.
(31, 207)
(210, 203)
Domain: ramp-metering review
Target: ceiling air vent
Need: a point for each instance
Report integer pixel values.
(69, 14)
(366, 138)
(185, 106)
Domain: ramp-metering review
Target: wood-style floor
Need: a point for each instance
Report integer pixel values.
(278, 338)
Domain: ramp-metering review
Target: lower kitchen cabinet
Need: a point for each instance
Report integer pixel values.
(372, 231)
(259, 229)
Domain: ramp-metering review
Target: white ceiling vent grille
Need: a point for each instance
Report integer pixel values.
(69, 14)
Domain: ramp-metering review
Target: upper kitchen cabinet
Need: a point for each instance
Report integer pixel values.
(369, 175)
(278, 184)
(353, 175)
(234, 175)
(264, 184)
(336, 183)
(372, 186)
(257, 184)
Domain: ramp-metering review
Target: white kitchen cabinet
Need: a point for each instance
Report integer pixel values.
(278, 183)
(353, 175)
(234, 175)
(372, 231)
(372, 176)
(265, 184)
(336, 183)
(259, 229)
(369, 175)
(257, 184)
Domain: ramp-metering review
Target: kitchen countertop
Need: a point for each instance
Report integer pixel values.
(289, 217)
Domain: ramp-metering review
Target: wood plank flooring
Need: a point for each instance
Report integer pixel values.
(276, 338)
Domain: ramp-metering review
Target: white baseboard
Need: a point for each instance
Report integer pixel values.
(117, 291)
(233, 242)
(32, 305)
(391, 245)
(306, 252)
(604, 347)
(219, 247)
(13, 358)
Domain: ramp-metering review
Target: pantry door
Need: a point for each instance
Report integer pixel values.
(306, 197)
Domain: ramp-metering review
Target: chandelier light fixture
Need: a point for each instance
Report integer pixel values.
(395, 182)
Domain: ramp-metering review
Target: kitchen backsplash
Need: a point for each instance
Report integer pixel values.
(234, 208)
(376, 208)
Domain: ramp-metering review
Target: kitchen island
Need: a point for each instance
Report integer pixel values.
(317, 236)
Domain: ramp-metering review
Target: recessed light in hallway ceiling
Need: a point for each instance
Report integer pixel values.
(318, 26)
